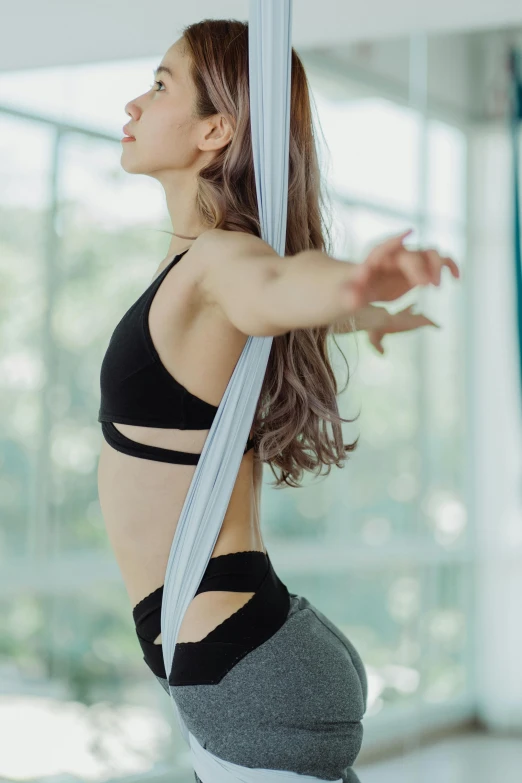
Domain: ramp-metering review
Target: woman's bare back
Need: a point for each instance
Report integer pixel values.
(141, 499)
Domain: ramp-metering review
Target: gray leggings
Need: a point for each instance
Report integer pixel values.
(294, 703)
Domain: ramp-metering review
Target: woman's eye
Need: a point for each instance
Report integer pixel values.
(152, 85)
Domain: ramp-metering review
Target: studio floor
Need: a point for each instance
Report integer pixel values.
(466, 758)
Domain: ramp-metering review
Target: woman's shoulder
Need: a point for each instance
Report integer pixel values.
(222, 244)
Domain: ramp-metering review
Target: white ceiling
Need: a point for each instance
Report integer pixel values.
(39, 33)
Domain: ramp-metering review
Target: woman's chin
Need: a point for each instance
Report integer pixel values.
(128, 167)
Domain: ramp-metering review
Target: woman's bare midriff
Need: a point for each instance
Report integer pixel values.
(141, 499)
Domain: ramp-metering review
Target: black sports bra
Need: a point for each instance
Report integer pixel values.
(136, 387)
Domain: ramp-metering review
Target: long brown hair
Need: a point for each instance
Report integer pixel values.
(298, 396)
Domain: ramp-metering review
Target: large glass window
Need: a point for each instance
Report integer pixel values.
(382, 546)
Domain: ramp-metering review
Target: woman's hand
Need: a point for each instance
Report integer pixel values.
(403, 321)
(391, 270)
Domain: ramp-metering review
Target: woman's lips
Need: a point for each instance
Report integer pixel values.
(128, 138)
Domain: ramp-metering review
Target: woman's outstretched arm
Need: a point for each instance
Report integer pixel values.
(264, 294)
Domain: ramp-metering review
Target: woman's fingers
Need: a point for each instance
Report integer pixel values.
(435, 264)
(414, 266)
(375, 338)
(424, 321)
(455, 271)
(422, 267)
(391, 245)
(379, 276)
(405, 320)
(420, 318)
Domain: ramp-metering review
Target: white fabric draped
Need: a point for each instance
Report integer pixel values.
(270, 23)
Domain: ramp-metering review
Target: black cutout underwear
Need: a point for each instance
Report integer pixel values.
(208, 660)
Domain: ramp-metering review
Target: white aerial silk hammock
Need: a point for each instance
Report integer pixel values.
(269, 40)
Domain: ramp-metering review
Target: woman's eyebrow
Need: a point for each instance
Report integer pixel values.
(163, 69)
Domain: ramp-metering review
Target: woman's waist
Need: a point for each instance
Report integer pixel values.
(144, 482)
(141, 505)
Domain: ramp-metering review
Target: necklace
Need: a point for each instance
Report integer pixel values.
(183, 237)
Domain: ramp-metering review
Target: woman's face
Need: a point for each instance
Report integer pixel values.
(167, 136)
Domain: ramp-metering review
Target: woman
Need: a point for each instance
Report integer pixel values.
(262, 678)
